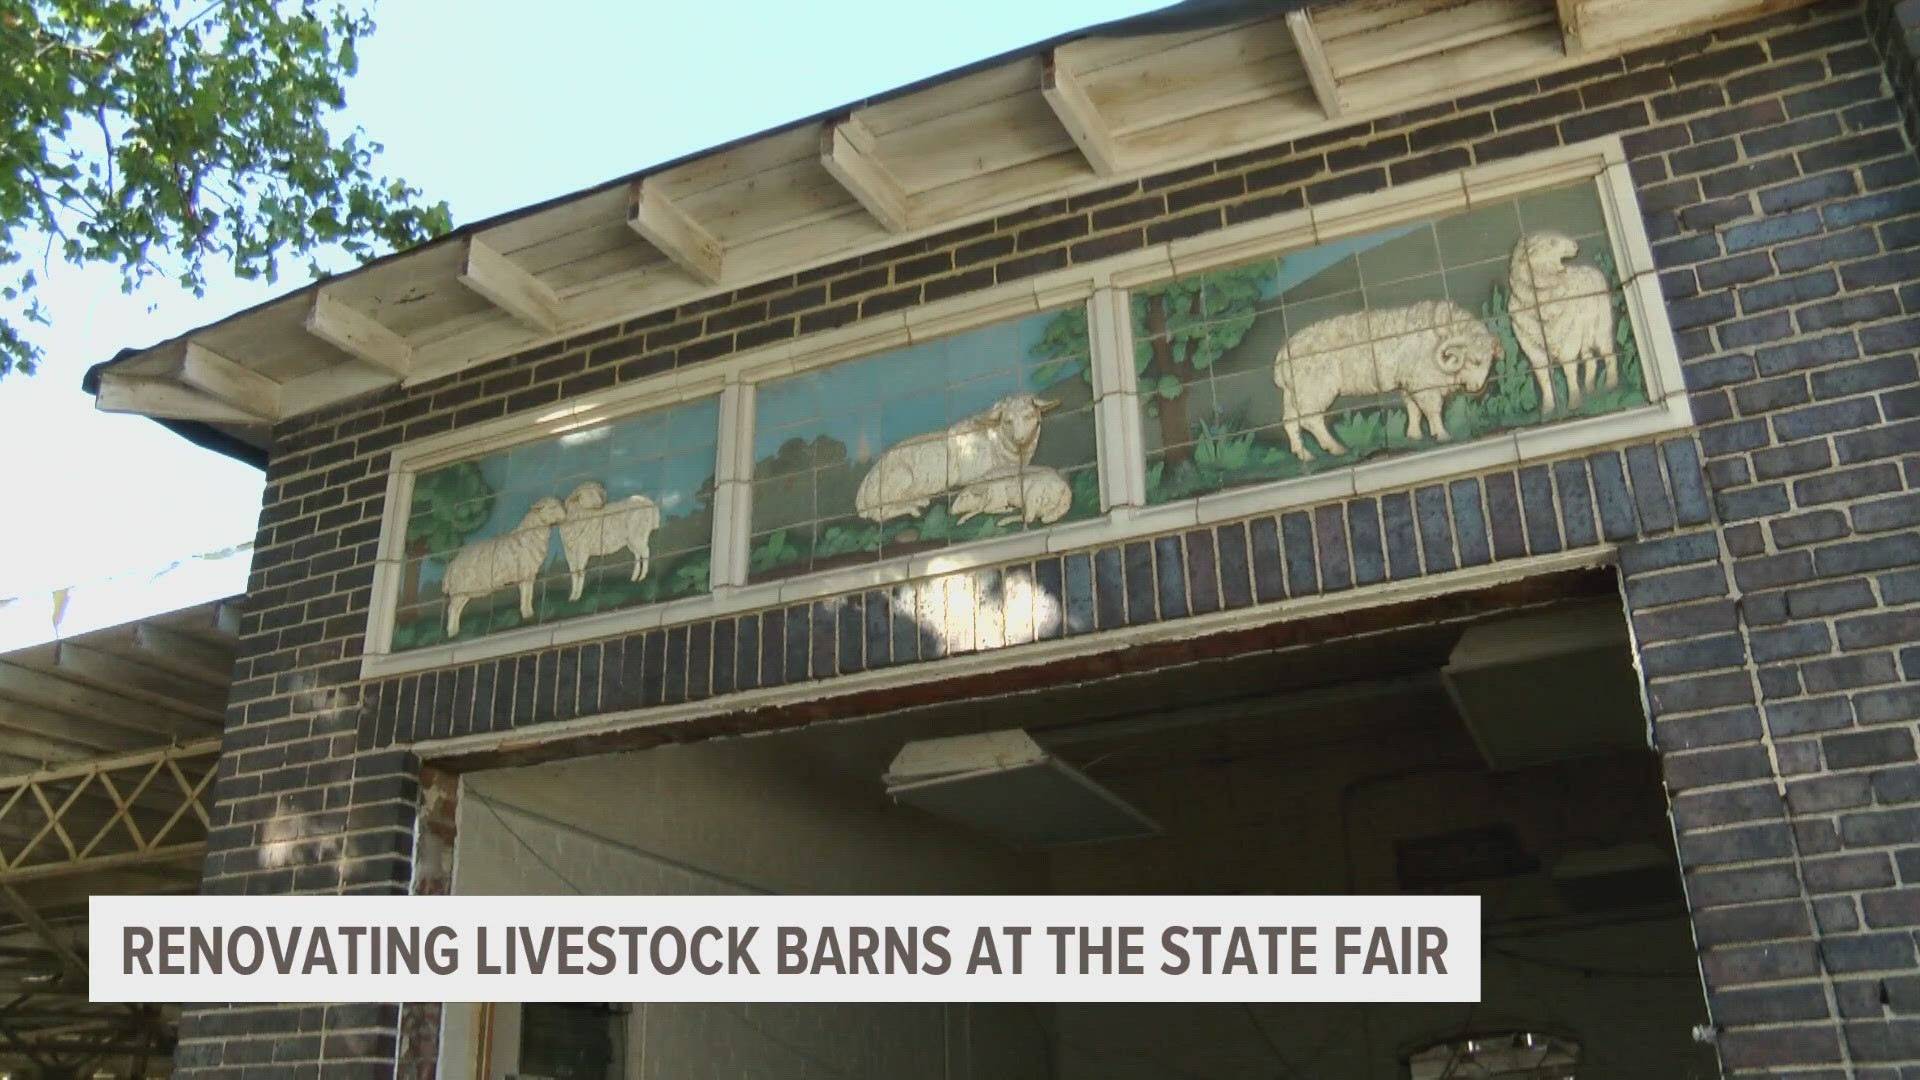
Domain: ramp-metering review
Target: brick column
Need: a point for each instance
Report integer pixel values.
(1779, 646)
(1896, 32)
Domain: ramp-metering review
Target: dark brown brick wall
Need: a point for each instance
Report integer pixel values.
(1770, 560)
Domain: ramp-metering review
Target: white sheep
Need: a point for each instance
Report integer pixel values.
(1425, 350)
(594, 528)
(483, 567)
(1562, 316)
(909, 475)
(1035, 493)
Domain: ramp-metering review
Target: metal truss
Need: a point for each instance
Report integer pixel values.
(106, 813)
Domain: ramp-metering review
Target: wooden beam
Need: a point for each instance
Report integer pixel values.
(228, 381)
(511, 288)
(150, 395)
(120, 676)
(120, 710)
(64, 727)
(358, 334)
(1571, 29)
(680, 238)
(1076, 111)
(850, 154)
(184, 653)
(1326, 88)
(225, 618)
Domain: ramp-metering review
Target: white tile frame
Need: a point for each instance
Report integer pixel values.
(1121, 458)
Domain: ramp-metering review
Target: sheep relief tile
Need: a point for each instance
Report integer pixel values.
(1507, 316)
(600, 518)
(981, 434)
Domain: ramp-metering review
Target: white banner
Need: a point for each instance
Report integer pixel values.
(784, 948)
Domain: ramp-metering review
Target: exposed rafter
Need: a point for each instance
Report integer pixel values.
(949, 153)
(1078, 114)
(163, 688)
(226, 381)
(57, 728)
(49, 691)
(165, 397)
(511, 288)
(358, 334)
(1571, 34)
(1313, 57)
(850, 152)
(676, 234)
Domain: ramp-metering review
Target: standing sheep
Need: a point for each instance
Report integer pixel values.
(1425, 350)
(1562, 316)
(593, 528)
(906, 479)
(1035, 493)
(483, 567)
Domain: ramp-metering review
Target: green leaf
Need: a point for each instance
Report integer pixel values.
(161, 138)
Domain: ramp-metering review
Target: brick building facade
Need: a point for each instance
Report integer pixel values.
(1769, 559)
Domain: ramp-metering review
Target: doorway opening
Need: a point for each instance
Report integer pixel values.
(1504, 757)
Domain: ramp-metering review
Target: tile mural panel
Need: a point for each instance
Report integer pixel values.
(1507, 316)
(985, 433)
(595, 519)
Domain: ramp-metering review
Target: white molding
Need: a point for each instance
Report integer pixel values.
(1116, 399)
(733, 487)
(1119, 439)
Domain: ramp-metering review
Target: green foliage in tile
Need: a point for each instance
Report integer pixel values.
(1417, 317)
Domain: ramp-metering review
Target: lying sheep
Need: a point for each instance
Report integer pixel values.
(1424, 350)
(593, 528)
(1562, 316)
(906, 479)
(1033, 494)
(483, 567)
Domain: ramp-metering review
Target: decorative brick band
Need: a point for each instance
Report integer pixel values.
(1541, 509)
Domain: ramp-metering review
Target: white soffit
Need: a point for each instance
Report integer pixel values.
(1064, 119)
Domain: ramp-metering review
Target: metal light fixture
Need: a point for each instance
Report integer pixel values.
(1004, 784)
(1512, 1055)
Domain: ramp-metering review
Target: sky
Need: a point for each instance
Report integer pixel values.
(490, 110)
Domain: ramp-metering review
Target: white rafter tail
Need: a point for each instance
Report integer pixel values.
(674, 232)
(1572, 32)
(1313, 57)
(1075, 109)
(164, 398)
(358, 334)
(849, 153)
(227, 381)
(511, 288)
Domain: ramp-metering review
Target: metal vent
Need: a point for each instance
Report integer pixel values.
(1005, 785)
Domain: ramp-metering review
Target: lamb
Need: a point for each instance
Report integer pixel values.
(594, 528)
(1032, 494)
(1562, 316)
(1425, 350)
(483, 567)
(909, 475)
